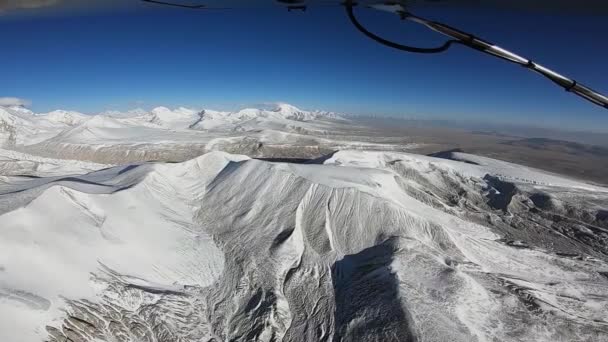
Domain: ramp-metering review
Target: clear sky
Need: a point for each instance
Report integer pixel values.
(316, 59)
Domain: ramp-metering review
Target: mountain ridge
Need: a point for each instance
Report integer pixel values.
(360, 246)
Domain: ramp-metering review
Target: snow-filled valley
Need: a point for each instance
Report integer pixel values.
(163, 226)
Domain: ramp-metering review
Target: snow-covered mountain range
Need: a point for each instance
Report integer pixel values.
(21, 127)
(175, 134)
(364, 246)
(155, 226)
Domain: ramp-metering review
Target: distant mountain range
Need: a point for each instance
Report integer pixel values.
(20, 126)
(167, 134)
(200, 225)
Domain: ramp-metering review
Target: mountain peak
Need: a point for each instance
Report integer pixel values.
(21, 110)
(160, 109)
(166, 113)
(286, 108)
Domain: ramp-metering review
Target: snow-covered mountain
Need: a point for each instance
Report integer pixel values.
(363, 246)
(179, 134)
(69, 118)
(280, 116)
(20, 126)
(102, 240)
(167, 118)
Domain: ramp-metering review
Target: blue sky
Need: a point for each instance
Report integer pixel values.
(226, 60)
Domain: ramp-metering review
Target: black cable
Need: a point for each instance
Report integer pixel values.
(176, 4)
(240, 7)
(349, 10)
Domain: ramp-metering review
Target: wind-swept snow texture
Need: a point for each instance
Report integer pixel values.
(368, 246)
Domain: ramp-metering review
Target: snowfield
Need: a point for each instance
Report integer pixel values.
(358, 246)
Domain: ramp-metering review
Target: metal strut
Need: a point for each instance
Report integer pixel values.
(457, 37)
(467, 39)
